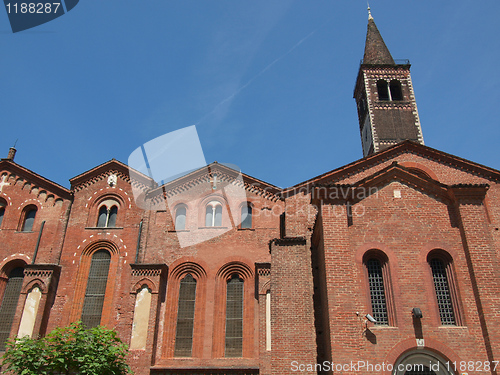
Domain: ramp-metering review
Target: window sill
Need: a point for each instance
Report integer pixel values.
(380, 327)
(250, 229)
(104, 228)
(178, 231)
(394, 102)
(24, 231)
(212, 227)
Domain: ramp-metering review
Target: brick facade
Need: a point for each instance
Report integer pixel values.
(301, 264)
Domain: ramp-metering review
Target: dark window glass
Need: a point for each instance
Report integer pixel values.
(377, 291)
(180, 218)
(218, 216)
(29, 220)
(442, 292)
(2, 212)
(246, 216)
(185, 317)
(103, 217)
(383, 92)
(9, 303)
(395, 87)
(234, 317)
(424, 370)
(113, 212)
(96, 288)
(209, 216)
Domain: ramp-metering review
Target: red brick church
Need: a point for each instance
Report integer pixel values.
(388, 265)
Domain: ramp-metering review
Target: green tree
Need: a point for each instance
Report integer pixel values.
(68, 350)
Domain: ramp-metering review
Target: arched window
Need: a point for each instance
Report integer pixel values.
(246, 216)
(9, 303)
(185, 317)
(2, 212)
(441, 272)
(421, 362)
(29, 219)
(107, 217)
(113, 212)
(96, 288)
(383, 90)
(180, 218)
(377, 291)
(234, 317)
(213, 214)
(395, 90)
(103, 217)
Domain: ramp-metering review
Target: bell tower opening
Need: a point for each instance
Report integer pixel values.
(387, 109)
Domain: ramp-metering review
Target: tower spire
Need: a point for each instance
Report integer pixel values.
(387, 110)
(376, 52)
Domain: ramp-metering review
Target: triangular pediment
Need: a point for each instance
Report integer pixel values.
(217, 172)
(353, 193)
(121, 170)
(360, 169)
(14, 174)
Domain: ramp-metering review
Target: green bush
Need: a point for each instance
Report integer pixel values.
(68, 350)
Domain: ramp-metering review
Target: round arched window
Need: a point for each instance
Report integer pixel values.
(213, 214)
(422, 362)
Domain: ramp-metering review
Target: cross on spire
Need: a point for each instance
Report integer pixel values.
(370, 17)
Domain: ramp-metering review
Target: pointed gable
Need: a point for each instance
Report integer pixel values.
(111, 167)
(13, 172)
(416, 158)
(222, 173)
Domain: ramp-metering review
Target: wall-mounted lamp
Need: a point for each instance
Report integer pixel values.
(370, 318)
(416, 313)
(367, 318)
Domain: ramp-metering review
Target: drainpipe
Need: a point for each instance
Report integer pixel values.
(138, 243)
(38, 242)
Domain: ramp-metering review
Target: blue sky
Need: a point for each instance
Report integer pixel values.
(268, 83)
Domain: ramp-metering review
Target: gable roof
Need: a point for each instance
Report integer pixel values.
(382, 156)
(394, 172)
(112, 165)
(200, 175)
(45, 183)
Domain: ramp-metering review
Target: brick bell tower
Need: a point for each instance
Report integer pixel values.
(387, 110)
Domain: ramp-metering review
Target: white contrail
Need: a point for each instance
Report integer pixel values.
(249, 82)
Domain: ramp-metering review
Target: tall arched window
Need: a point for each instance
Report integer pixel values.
(29, 219)
(377, 291)
(107, 217)
(246, 216)
(96, 288)
(185, 317)
(2, 212)
(395, 90)
(213, 214)
(180, 218)
(9, 303)
(234, 317)
(383, 90)
(441, 272)
(103, 217)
